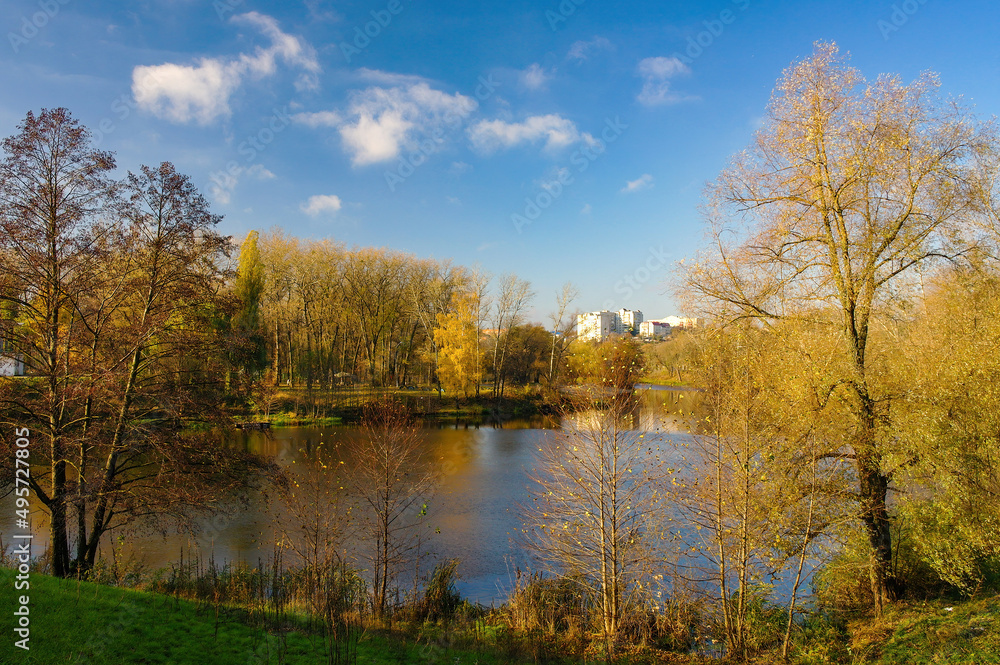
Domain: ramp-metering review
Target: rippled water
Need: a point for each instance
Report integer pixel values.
(472, 513)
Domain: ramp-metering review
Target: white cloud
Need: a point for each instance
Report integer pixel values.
(222, 192)
(458, 168)
(320, 14)
(553, 178)
(581, 50)
(535, 77)
(385, 121)
(586, 209)
(183, 93)
(643, 182)
(201, 92)
(260, 172)
(318, 119)
(557, 132)
(292, 50)
(657, 74)
(224, 183)
(388, 78)
(320, 204)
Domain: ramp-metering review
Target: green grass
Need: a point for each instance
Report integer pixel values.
(290, 420)
(936, 632)
(80, 622)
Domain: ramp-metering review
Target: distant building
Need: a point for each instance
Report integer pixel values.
(11, 367)
(11, 364)
(597, 326)
(630, 320)
(683, 322)
(653, 329)
(11, 360)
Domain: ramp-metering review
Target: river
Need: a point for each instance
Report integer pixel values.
(483, 475)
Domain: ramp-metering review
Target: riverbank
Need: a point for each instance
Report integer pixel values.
(73, 621)
(293, 407)
(344, 406)
(83, 622)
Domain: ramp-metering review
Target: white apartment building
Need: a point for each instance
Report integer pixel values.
(653, 329)
(597, 325)
(683, 322)
(630, 320)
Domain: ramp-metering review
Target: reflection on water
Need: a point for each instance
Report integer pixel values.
(472, 513)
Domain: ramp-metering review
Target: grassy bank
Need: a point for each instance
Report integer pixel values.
(82, 622)
(295, 406)
(344, 405)
(936, 631)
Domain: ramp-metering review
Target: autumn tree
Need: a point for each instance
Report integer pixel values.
(528, 354)
(248, 352)
(391, 480)
(757, 490)
(322, 522)
(478, 287)
(951, 411)
(596, 507)
(113, 291)
(847, 190)
(457, 338)
(54, 189)
(165, 346)
(278, 313)
(563, 329)
(512, 300)
(375, 292)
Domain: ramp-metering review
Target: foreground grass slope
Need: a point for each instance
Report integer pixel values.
(80, 622)
(933, 632)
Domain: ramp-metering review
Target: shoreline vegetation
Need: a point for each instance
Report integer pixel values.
(198, 613)
(296, 407)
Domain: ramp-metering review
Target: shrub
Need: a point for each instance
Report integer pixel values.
(844, 584)
(441, 599)
(553, 605)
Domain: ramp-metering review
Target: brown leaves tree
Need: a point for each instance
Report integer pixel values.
(111, 293)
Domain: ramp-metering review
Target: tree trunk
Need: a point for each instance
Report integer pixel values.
(59, 545)
(875, 517)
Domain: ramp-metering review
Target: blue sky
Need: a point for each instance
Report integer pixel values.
(561, 141)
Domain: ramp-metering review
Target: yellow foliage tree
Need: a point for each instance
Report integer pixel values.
(457, 337)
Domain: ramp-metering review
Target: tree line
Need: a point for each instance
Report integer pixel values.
(319, 315)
